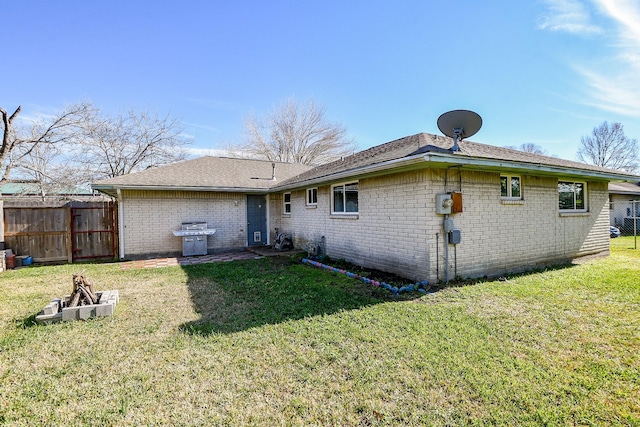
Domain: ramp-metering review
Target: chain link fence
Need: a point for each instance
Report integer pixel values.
(625, 216)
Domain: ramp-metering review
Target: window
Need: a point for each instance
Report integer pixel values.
(287, 203)
(344, 198)
(571, 196)
(510, 187)
(312, 196)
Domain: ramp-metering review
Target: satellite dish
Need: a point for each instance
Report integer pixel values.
(459, 124)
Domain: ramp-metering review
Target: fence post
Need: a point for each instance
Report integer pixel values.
(1, 224)
(635, 221)
(69, 234)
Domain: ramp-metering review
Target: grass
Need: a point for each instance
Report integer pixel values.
(272, 342)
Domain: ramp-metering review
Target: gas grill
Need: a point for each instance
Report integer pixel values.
(194, 237)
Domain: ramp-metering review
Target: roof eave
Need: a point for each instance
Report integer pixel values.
(447, 160)
(112, 189)
(360, 172)
(524, 167)
(625, 192)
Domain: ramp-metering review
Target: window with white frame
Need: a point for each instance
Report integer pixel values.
(344, 198)
(572, 196)
(312, 196)
(287, 203)
(510, 187)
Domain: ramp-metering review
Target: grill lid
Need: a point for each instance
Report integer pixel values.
(196, 225)
(194, 228)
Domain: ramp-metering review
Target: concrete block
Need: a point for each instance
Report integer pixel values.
(109, 297)
(105, 307)
(53, 307)
(45, 319)
(85, 312)
(69, 313)
(49, 308)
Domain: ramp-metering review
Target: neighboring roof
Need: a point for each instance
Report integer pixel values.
(418, 151)
(28, 194)
(206, 173)
(33, 188)
(53, 202)
(631, 188)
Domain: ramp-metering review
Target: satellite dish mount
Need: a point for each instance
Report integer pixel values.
(459, 124)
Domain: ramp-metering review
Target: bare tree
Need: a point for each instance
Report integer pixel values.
(81, 144)
(609, 147)
(39, 167)
(20, 141)
(51, 171)
(9, 141)
(529, 147)
(115, 146)
(296, 133)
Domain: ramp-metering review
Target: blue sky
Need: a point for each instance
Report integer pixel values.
(539, 71)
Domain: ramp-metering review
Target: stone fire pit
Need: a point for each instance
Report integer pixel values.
(57, 310)
(82, 304)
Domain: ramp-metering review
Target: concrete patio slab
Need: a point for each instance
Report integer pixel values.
(192, 260)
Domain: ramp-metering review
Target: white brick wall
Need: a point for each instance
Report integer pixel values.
(397, 225)
(397, 229)
(150, 217)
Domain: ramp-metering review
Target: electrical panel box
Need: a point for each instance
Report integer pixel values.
(443, 204)
(455, 237)
(457, 202)
(448, 225)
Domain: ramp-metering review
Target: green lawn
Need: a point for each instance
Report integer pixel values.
(273, 342)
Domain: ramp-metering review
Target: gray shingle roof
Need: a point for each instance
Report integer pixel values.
(208, 172)
(424, 143)
(230, 174)
(631, 188)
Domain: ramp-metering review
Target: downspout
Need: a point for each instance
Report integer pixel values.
(446, 218)
(446, 252)
(268, 221)
(437, 257)
(455, 261)
(120, 225)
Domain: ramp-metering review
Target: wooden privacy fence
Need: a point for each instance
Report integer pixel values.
(75, 232)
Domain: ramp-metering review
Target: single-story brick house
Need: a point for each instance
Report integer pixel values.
(385, 207)
(231, 195)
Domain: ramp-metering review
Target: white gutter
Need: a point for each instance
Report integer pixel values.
(624, 193)
(106, 188)
(364, 170)
(482, 163)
